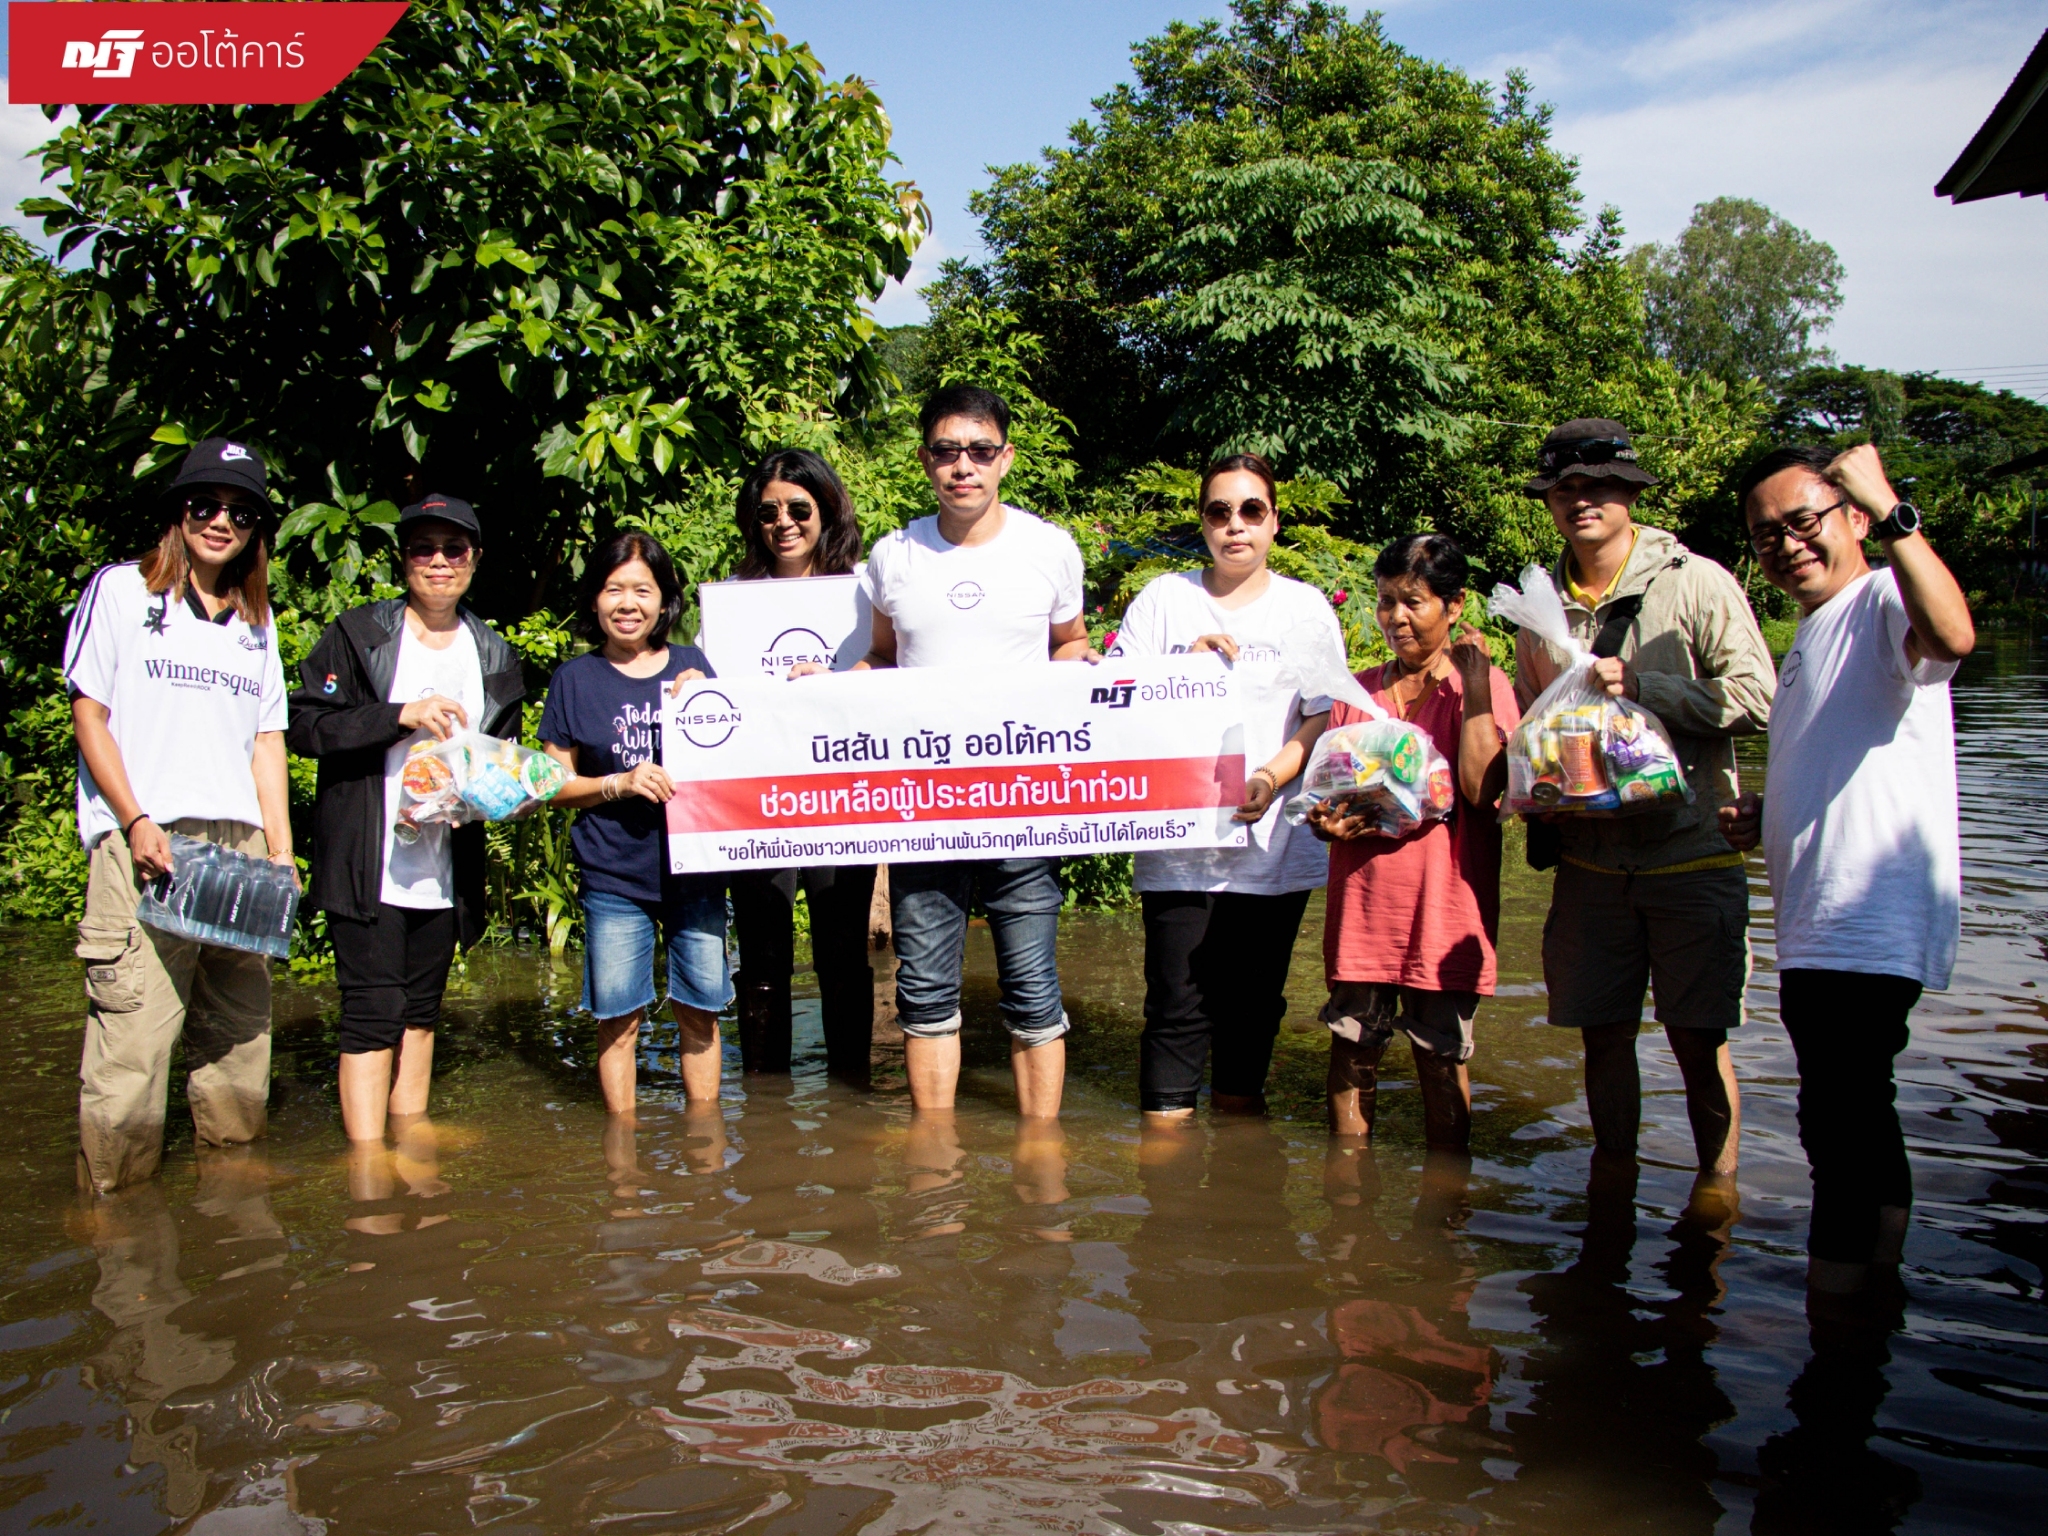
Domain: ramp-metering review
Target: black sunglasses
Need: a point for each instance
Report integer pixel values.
(984, 454)
(770, 512)
(204, 509)
(1591, 450)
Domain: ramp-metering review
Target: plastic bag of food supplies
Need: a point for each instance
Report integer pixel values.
(1384, 767)
(1579, 749)
(472, 777)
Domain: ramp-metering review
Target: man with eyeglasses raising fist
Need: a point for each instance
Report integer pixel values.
(1860, 826)
(382, 679)
(987, 585)
(1656, 896)
(178, 701)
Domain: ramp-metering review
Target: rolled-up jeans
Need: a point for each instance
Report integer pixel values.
(929, 906)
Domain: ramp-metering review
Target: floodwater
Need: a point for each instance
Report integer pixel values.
(805, 1312)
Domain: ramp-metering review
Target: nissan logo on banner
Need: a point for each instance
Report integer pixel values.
(707, 718)
(162, 53)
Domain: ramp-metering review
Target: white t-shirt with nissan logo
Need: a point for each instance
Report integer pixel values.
(186, 698)
(984, 605)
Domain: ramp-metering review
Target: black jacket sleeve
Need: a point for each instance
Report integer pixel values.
(341, 721)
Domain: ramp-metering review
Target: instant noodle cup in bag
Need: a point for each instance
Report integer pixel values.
(1578, 748)
(474, 777)
(1381, 766)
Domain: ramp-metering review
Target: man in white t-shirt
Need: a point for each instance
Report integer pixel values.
(986, 585)
(1859, 825)
(178, 703)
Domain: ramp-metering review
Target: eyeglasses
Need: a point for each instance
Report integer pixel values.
(984, 454)
(204, 509)
(1254, 512)
(770, 512)
(1803, 525)
(1588, 450)
(456, 551)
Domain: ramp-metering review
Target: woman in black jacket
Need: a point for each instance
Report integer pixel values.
(383, 678)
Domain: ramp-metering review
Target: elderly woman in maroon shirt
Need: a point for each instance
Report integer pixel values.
(1408, 939)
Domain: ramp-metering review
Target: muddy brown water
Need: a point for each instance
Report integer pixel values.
(802, 1312)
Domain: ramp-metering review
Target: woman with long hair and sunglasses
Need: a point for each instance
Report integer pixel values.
(1220, 923)
(798, 521)
(178, 701)
(381, 680)
(602, 722)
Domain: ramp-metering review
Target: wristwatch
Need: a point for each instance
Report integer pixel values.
(1904, 519)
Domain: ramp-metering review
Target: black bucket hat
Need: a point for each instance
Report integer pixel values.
(435, 507)
(1592, 446)
(222, 461)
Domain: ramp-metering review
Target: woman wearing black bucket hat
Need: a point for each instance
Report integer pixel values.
(383, 678)
(178, 701)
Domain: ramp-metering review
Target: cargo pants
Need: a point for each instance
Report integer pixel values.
(144, 988)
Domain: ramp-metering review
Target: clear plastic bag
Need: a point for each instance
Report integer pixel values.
(473, 777)
(1380, 765)
(1579, 749)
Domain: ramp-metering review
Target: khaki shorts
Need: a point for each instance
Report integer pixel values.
(1363, 1012)
(1611, 934)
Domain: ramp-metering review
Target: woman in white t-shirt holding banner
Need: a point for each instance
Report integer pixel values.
(1220, 923)
(178, 701)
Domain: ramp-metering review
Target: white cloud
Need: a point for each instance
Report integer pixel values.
(23, 130)
(1848, 145)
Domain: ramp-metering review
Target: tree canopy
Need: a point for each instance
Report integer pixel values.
(1291, 234)
(1741, 294)
(545, 257)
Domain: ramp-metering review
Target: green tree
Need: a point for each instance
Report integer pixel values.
(1405, 199)
(1291, 233)
(555, 259)
(1741, 294)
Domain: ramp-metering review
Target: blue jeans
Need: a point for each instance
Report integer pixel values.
(618, 949)
(929, 904)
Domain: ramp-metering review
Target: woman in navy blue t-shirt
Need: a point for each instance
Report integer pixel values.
(602, 721)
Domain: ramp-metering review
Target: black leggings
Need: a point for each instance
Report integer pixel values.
(391, 971)
(763, 911)
(1846, 1027)
(1215, 991)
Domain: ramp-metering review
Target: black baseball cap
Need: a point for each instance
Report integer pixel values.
(1592, 446)
(223, 461)
(442, 509)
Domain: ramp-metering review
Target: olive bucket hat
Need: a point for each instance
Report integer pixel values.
(1592, 446)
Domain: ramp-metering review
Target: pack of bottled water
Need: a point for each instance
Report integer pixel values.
(218, 896)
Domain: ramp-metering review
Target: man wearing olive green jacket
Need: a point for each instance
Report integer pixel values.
(1656, 898)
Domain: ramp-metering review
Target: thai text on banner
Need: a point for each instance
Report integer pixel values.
(900, 766)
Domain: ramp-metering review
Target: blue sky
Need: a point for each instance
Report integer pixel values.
(1840, 114)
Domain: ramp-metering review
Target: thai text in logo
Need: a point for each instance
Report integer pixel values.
(111, 58)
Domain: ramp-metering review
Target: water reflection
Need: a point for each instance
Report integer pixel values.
(807, 1308)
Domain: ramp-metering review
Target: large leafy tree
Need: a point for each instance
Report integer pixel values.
(1741, 294)
(554, 258)
(1289, 233)
(1291, 111)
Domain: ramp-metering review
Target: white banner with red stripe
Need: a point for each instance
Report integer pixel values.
(896, 766)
